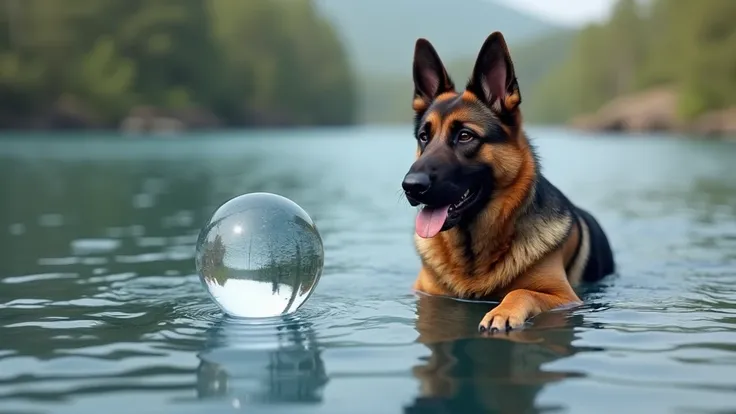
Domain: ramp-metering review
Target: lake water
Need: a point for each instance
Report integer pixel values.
(102, 311)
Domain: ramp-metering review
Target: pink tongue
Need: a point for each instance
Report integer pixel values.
(430, 221)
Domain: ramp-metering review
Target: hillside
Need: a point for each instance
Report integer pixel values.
(380, 34)
(139, 63)
(688, 47)
(387, 98)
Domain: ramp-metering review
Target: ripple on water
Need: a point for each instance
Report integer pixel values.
(38, 277)
(109, 278)
(58, 261)
(159, 289)
(85, 247)
(168, 255)
(148, 242)
(17, 229)
(51, 220)
(70, 261)
(26, 304)
(52, 323)
(122, 232)
(143, 200)
(180, 219)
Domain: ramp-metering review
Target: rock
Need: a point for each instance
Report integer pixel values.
(716, 123)
(587, 122)
(655, 110)
(149, 119)
(648, 111)
(198, 118)
(68, 112)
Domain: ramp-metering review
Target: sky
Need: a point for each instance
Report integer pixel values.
(566, 12)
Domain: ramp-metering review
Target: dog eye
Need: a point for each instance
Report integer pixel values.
(465, 136)
(423, 136)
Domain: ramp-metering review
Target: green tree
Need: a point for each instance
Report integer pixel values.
(106, 79)
(249, 62)
(687, 45)
(285, 60)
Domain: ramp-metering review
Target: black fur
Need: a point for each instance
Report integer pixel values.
(550, 204)
(600, 260)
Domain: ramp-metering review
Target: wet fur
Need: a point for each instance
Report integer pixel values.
(529, 245)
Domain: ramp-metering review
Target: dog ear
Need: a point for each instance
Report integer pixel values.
(493, 79)
(430, 77)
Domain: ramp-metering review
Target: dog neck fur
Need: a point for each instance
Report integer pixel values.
(480, 257)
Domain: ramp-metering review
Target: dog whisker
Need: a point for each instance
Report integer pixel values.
(400, 196)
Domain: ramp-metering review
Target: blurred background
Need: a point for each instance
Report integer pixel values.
(124, 124)
(172, 65)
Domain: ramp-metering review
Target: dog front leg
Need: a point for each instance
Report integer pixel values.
(520, 305)
(541, 288)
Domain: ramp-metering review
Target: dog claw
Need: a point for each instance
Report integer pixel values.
(498, 321)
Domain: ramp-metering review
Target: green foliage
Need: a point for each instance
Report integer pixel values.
(248, 62)
(688, 45)
(106, 79)
(299, 72)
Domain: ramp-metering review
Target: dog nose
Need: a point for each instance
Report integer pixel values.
(416, 183)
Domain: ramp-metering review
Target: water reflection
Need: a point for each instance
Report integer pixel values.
(468, 373)
(102, 306)
(271, 362)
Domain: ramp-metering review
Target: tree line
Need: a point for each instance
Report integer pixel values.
(687, 45)
(276, 62)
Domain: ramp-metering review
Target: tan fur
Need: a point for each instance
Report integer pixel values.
(571, 245)
(544, 286)
(512, 258)
(502, 251)
(518, 259)
(434, 121)
(419, 105)
(578, 266)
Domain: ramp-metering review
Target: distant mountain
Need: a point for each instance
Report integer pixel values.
(387, 98)
(380, 34)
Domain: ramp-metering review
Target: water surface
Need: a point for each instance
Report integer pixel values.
(102, 311)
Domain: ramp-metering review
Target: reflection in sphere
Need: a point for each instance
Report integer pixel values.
(260, 255)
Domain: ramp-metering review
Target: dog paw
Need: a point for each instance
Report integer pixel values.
(502, 320)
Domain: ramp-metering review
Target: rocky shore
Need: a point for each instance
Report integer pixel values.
(69, 113)
(149, 119)
(655, 110)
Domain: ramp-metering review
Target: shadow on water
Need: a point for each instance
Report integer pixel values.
(270, 362)
(469, 373)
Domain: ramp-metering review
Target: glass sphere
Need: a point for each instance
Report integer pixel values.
(260, 255)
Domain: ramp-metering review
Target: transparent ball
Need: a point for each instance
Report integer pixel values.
(260, 255)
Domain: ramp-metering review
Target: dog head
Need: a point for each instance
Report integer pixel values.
(469, 143)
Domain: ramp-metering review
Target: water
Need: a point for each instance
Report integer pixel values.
(260, 255)
(102, 309)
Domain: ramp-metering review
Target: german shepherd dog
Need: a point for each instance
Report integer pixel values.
(491, 226)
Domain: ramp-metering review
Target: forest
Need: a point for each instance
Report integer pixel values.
(688, 46)
(215, 63)
(91, 63)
